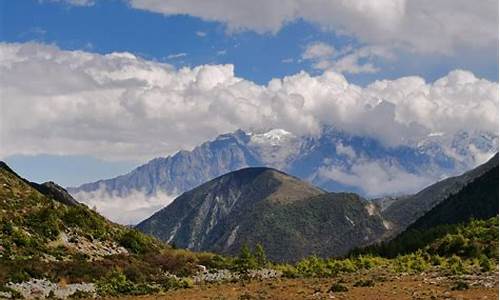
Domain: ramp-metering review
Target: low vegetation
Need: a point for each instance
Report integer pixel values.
(39, 238)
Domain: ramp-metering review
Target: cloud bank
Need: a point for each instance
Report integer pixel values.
(424, 26)
(129, 210)
(119, 106)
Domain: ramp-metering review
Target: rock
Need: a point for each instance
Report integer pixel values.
(42, 288)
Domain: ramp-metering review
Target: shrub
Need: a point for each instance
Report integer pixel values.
(338, 288)
(289, 271)
(85, 220)
(45, 222)
(246, 261)
(312, 266)
(116, 283)
(260, 256)
(136, 242)
(456, 265)
(460, 286)
(485, 263)
(364, 283)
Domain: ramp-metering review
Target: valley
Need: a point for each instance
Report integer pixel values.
(256, 233)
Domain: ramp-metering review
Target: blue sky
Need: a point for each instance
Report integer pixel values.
(114, 26)
(183, 35)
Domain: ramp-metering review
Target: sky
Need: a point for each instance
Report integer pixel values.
(91, 88)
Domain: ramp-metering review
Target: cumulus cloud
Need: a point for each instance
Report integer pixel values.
(129, 210)
(119, 106)
(423, 26)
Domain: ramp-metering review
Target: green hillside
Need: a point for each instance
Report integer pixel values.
(477, 200)
(63, 241)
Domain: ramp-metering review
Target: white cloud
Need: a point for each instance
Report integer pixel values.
(345, 150)
(424, 26)
(375, 178)
(176, 55)
(318, 50)
(119, 106)
(128, 210)
(74, 2)
(347, 59)
(201, 33)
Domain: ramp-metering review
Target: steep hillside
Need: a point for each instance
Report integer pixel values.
(37, 219)
(45, 234)
(406, 211)
(477, 200)
(290, 218)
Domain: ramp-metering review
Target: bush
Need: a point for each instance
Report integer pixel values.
(485, 263)
(136, 242)
(364, 283)
(246, 261)
(45, 222)
(460, 286)
(260, 256)
(456, 265)
(312, 266)
(411, 263)
(116, 283)
(86, 220)
(338, 288)
(289, 271)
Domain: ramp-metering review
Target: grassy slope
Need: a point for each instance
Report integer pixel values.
(42, 238)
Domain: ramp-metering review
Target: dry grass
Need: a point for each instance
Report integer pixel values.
(385, 286)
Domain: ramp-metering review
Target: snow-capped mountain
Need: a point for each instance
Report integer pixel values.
(333, 160)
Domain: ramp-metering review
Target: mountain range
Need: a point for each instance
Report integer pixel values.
(333, 160)
(293, 219)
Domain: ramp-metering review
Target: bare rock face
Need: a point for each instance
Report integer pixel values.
(56, 192)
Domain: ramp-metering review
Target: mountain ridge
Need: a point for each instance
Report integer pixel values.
(290, 217)
(332, 160)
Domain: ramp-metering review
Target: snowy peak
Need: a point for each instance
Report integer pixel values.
(334, 160)
(273, 137)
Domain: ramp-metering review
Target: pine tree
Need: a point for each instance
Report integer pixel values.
(246, 261)
(260, 255)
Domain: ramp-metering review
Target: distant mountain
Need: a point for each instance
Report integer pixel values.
(442, 198)
(477, 199)
(291, 218)
(332, 160)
